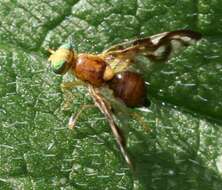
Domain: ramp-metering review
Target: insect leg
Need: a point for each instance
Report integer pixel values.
(106, 110)
(68, 95)
(71, 84)
(141, 121)
(73, 119)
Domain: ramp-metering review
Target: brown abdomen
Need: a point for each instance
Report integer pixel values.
(130, 88)
(90, 68)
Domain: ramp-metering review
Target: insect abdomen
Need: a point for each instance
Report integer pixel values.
(90, 68)
(130, 88)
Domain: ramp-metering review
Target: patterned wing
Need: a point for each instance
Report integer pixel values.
(159, 47)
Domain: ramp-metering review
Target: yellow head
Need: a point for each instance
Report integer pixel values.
(62, 59)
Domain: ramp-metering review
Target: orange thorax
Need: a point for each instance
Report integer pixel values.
(90, 68)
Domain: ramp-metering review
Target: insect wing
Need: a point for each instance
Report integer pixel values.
(157, 48)
(172, 43)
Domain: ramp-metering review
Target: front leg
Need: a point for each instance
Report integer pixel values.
(71, 84)
(73, 119)
(68, 95)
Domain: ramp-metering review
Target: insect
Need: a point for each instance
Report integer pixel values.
(114, 69)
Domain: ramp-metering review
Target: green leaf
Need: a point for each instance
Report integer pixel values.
(181, 149)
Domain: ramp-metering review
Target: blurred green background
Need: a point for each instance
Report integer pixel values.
(182, 148)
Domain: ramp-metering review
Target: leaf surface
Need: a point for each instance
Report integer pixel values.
(181, 148)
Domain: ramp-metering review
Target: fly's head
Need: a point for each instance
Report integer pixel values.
(62, 59)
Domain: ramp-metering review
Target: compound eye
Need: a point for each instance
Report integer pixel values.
(60, 67)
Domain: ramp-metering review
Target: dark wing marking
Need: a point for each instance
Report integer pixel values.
(159, 47)
(106, 110)
(173, 42)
